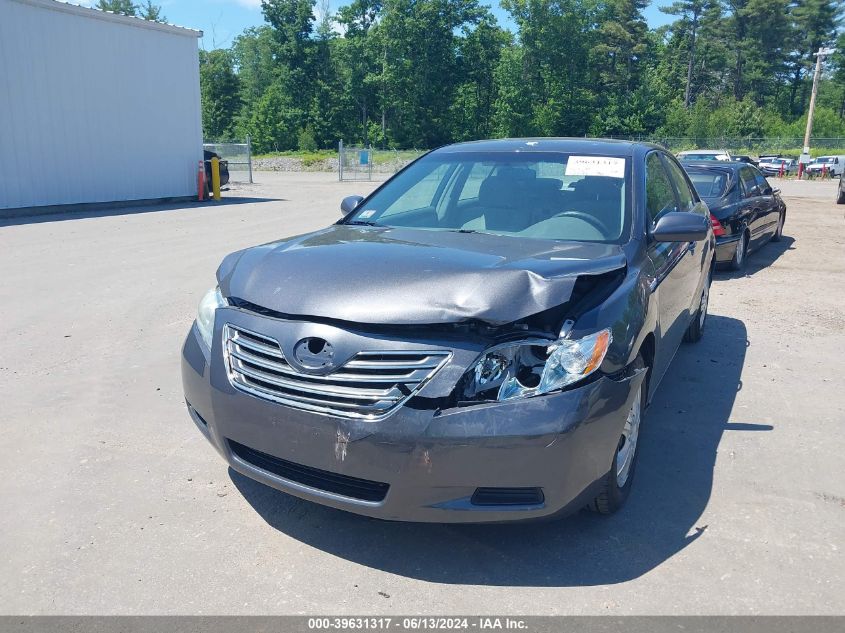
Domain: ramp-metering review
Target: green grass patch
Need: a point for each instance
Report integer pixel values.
(308, 158)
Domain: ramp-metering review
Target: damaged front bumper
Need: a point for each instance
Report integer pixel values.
(487, 462)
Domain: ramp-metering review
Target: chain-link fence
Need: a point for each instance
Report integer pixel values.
(748, 144)
(239, 157)
(356, 162)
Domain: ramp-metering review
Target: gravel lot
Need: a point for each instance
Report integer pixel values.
(114, 503)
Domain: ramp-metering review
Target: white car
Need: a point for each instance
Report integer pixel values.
(772, 165)
(835, 165)
(694, 155)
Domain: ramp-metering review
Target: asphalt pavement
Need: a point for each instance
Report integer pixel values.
(113, 503)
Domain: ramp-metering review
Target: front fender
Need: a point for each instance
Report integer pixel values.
(631, 312)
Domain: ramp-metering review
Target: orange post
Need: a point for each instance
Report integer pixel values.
(201, 182)
(780, 171)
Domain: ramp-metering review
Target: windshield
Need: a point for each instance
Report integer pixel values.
(709, 184)
(541, 195)
(824, 159)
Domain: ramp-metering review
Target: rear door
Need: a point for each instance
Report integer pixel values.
(689, 202)
(751, 205)
(768, 205)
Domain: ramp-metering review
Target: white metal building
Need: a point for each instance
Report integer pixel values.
(95, 107)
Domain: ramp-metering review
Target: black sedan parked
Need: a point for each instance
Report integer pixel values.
(746, 212)
(743, 158)
(224, 168)
(474, 341)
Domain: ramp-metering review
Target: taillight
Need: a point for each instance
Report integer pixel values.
(718, 229)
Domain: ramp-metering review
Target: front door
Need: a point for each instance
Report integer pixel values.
(676, 269)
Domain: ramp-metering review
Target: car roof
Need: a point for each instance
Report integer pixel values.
(608, 147)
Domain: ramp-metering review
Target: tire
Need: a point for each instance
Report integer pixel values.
(611, 495)
(778, 236)
(740, 257)
(695, 330)
(840, 198)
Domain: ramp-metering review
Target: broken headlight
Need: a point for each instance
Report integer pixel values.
(534, 367)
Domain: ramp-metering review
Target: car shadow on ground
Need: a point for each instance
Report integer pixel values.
(29, 216)
(684, 425)
(760, 259)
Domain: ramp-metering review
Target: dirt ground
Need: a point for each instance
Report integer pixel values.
(114, 503)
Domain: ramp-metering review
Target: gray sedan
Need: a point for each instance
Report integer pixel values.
(475, 341)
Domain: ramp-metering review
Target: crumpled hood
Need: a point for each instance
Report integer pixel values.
(402, 276)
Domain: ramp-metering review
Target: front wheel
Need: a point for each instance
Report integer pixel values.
(616, 484)
(840, 198)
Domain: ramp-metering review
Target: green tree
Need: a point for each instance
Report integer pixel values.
(815, 23)
(688, 26)
(513, 108)
(151, 12)
(253, 56)
(147, 10)
(838, 76)
(220, 94)
(359, 59)
(293, 24)
(275, 120)
(123, 7)
(419, 67)
(556, 38)
(479, 52)
(421, 73)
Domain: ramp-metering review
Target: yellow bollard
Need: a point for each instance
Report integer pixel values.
(215, 177)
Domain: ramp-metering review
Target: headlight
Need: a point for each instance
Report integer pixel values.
(534, 367)
(205, 313)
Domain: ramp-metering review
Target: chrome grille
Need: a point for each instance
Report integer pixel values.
(371, 385)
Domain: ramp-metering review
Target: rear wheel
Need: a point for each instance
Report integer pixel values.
(840, 199)
(695, 330)
(778, 236)
(616, 484)
(738, 261)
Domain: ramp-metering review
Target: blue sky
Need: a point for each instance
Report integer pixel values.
(222, 20)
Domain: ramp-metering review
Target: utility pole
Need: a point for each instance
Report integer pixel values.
(820, 55)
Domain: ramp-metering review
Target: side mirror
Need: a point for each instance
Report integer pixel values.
(681, 226)
(348, 204)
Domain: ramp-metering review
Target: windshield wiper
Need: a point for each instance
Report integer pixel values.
(465, 231)
(363, 223)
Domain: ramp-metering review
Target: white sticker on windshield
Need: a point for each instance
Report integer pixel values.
(367, 214)
(608, 166)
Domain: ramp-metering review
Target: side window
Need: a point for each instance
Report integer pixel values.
(761, 182)
(419, 196)
(749, 182)
(660, 197)
(686, 198)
